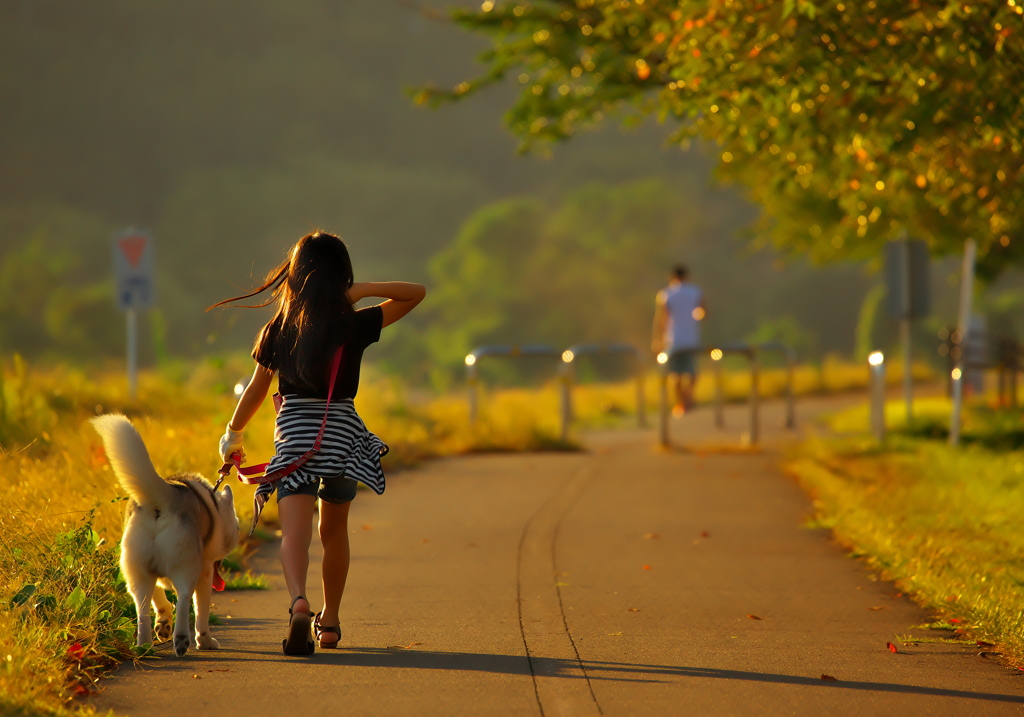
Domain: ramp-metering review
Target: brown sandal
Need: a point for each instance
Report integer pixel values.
(320, 630)
(299, 640)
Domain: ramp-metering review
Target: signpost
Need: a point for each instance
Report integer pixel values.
(907, 298)
(133, 271)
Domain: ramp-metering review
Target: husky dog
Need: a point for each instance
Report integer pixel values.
(175, 534)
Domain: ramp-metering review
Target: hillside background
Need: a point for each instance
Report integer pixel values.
(230, 129)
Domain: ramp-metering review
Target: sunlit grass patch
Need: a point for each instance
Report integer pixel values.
(246, 580)
(65, 615)
(943, 522)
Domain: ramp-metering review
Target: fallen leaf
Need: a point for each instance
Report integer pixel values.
(892, 647)
(76, 651)
(226, 669)
(828, 678)
(753, 617)
(955, 620)
(877, 607)
(647, 567)
(403, 647)
(196, 677)
(614, 634)
(651, 536)
(982, 643)
(632, 609)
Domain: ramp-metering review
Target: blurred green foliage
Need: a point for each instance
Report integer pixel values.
(849, 123)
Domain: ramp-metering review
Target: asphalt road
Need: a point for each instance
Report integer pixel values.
(624, 580)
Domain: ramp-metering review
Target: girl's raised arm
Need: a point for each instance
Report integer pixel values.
(402, 296)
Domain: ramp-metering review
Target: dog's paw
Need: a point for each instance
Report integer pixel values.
(206, 641)
(163, 630)
(181, 644)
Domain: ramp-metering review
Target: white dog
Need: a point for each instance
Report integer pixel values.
(175, 534)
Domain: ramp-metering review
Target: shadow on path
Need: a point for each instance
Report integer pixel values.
(598, 671)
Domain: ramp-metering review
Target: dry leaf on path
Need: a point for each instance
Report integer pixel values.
(403, 647)
(892, 647)
(647, 567)
(828, 678)
(877, 607)
(632, 609)
(226, 669)
(754, 617)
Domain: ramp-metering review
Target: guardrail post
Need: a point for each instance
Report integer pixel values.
(472, 382)
(716, 358)
(663, 406)
(790, 390)
(641, 399)
(566, 390)
(755, 398)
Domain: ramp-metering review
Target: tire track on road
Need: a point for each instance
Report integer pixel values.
(560, 681)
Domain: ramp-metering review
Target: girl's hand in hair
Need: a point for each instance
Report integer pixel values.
(402, 296)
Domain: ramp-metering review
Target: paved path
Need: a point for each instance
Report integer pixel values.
(620, 581)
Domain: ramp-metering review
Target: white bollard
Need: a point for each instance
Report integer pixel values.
(876, 365)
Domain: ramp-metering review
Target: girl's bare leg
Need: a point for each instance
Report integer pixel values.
(296, 515)
(334, 536)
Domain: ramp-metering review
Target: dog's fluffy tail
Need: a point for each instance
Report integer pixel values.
(130, 460)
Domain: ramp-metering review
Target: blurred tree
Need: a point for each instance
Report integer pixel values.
(585, 269)
(44, 311)
(849, 123)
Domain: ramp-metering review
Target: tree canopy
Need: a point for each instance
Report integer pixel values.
(850, 123)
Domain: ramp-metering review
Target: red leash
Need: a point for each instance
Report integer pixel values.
(254, 475)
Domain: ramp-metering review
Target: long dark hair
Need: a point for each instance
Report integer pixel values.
(314, 314)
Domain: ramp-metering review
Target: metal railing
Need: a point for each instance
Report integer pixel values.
(569, 357)
(566, 360)
(475, 356)
(752, 353)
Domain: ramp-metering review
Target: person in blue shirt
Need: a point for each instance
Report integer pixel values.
(679, 309)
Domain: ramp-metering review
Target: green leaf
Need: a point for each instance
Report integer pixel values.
(24, 593)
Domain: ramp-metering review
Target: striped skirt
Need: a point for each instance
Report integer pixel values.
(347, 449)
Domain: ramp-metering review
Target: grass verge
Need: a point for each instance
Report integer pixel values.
(942, 522)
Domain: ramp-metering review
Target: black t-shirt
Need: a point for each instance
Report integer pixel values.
(365, 331)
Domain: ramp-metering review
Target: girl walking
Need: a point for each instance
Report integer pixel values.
(316, 334)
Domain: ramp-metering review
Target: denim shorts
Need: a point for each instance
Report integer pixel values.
(337, 489)
(682, 362)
